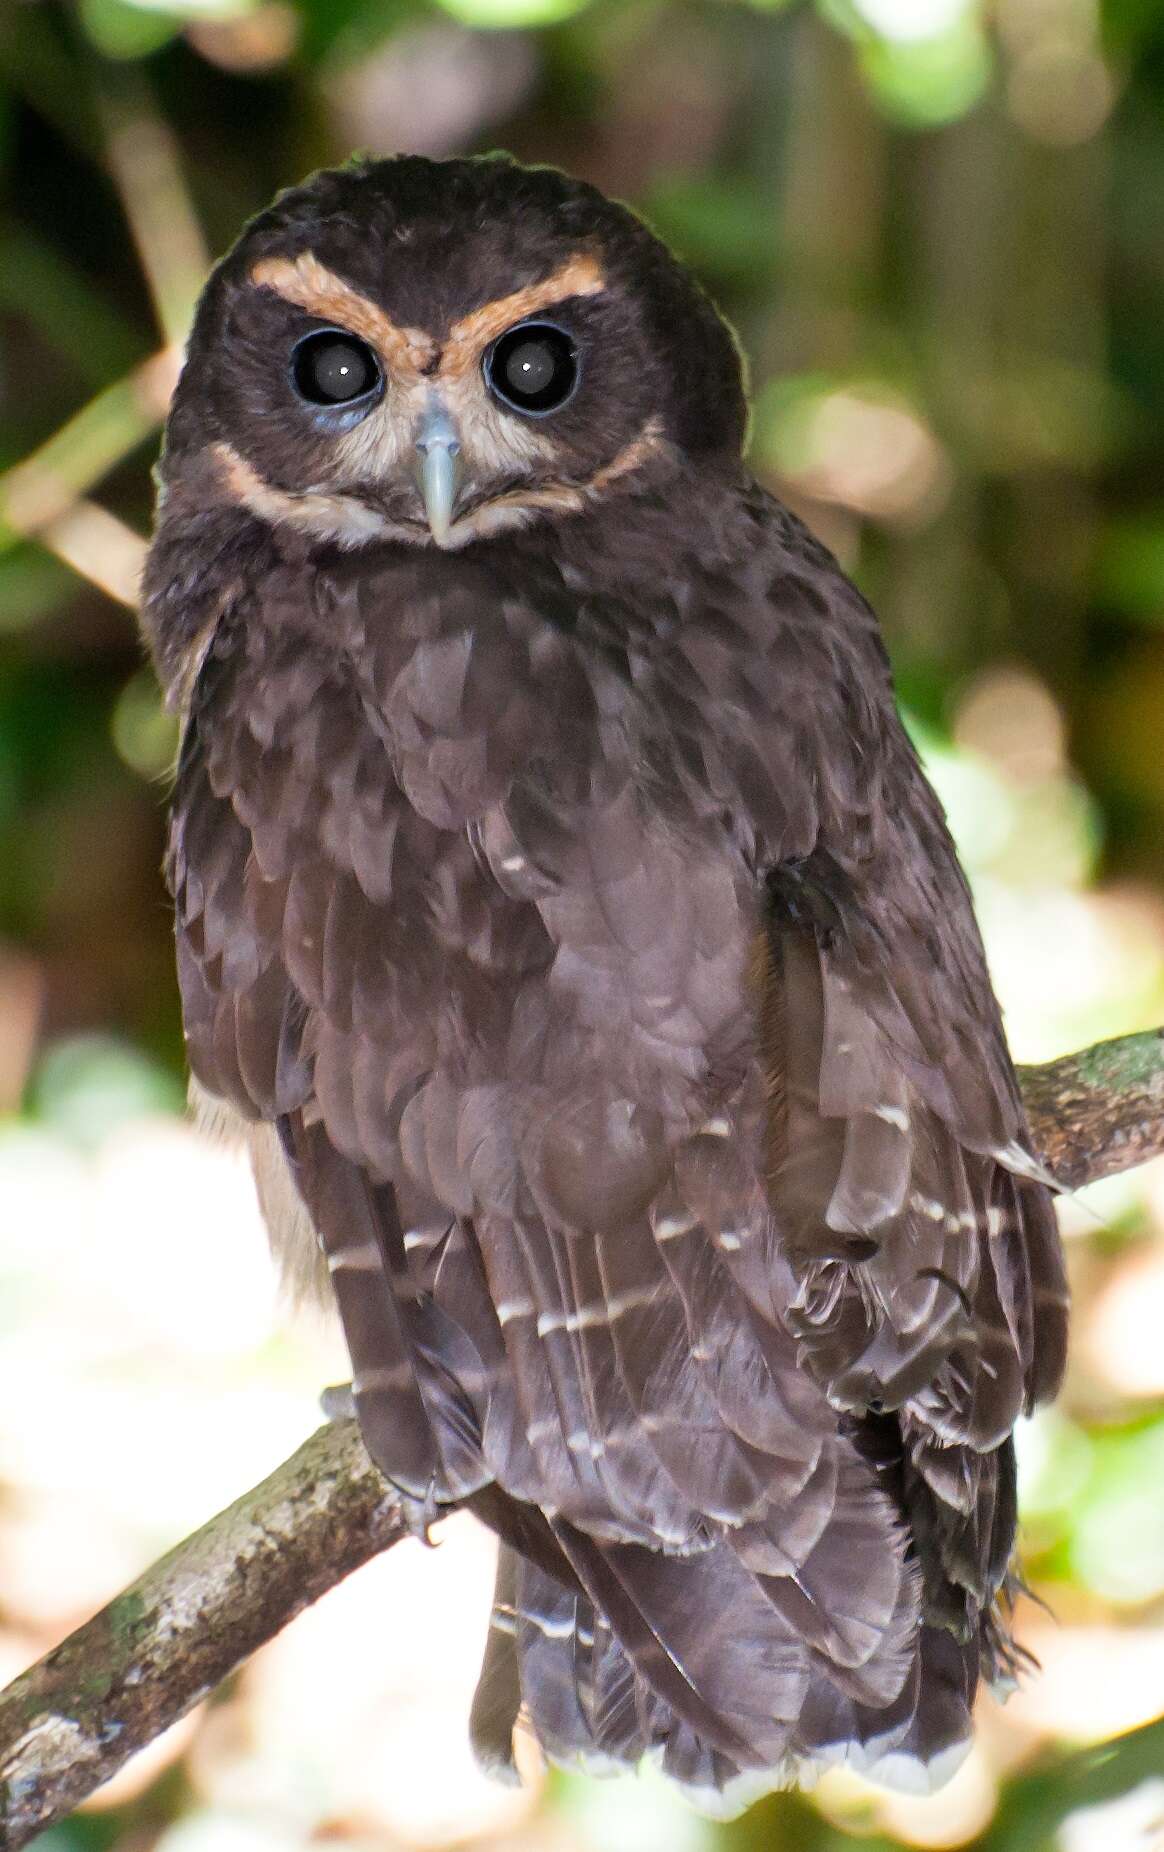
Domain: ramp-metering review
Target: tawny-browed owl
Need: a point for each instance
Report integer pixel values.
(562, 907)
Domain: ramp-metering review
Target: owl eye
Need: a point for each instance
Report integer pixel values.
(330, 368)
(532, 368)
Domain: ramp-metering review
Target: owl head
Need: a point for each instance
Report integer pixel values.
(432, 352)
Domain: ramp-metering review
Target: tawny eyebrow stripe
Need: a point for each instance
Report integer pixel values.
(311, 286)
(580, 275)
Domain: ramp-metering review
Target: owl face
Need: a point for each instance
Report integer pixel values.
(433, 352)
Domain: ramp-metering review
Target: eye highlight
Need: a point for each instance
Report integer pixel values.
(333, 368)
(532, 368)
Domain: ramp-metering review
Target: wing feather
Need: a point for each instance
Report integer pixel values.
(948, 1307)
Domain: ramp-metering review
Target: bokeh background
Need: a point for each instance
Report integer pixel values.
(939, 228)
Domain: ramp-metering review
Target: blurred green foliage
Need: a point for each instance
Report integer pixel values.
(938, 229)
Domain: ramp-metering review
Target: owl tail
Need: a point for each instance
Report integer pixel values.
(552, 1659)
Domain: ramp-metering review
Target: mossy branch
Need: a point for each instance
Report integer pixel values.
(1100, 1111)
(70, 1722)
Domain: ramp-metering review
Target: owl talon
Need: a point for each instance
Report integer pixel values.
(338, 1403)
(420, 1514)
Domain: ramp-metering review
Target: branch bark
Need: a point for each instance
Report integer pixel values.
(1099, 1111)
(70, 1722)
(161, 1646)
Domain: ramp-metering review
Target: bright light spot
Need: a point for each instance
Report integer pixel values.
(359, 1709)
(145, 735)
(1122, 1328)
(1110, 1202)
(138, 1341)
(226, 1832)
(255, 41)
(959, 1812)
(1069, 968)
(512, 14)
(100, 547)
(1133, 1823)
(197, 9)
(1117, 1544)
(910, 20)
(431, 88)
(637, 1813)
(1060, 92)
(1054, 1460)
(928, 81)
(861, 446)
(1009, 716)
(87, 1085)
(979, 808)
(1094, 1683)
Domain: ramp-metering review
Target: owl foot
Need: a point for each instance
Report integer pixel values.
(338, 1402)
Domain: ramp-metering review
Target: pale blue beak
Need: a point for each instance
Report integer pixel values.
(438, 469)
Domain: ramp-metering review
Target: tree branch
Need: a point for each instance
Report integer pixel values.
(1099, 1111)
(70, 1722)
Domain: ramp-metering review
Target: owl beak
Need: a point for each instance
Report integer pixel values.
(438, 469)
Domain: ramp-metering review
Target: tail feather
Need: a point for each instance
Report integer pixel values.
(594, 1702)
(498, 1697)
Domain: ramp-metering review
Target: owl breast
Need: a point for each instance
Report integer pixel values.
(585, 931)
(485, 928)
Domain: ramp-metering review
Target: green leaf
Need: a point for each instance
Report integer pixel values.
(512, 14)
(88, 1085)
(119, 30)
(32, 584)
(1130, 567)
(343, 33)
(716, 224)
(922, 83)
(1118, 1543)
(49, 293)
(144, 732)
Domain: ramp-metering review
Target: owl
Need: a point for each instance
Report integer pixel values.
(566, 923)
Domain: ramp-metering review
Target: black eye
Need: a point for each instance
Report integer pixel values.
(329, 368)
(533, 368)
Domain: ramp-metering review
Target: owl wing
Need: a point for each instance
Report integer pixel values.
(913, 1248)
(919, 1260)
(910, 1249)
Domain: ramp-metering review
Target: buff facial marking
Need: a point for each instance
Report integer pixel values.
(351, 522)
(436, 426)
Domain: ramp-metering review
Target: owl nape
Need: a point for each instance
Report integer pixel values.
(567, 926)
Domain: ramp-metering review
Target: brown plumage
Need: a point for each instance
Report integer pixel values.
(557, 881)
